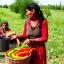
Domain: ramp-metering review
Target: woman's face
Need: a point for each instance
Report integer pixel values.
(30, 13)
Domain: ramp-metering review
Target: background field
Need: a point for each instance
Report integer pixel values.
(55, 44)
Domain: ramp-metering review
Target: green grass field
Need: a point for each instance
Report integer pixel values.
(55, 44)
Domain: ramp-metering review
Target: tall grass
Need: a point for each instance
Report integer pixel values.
(14, 20)
(55, 44)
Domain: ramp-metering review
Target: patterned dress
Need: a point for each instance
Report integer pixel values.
(41, 32)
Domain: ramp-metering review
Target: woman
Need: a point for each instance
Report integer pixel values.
(36, 30)
(6, 32)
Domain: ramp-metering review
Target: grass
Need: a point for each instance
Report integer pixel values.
(55, 44)
(14, 20)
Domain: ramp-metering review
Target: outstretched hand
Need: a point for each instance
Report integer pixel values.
(13, 37)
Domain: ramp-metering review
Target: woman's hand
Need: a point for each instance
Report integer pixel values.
(18, 42)
(13, 37)
(27, 42)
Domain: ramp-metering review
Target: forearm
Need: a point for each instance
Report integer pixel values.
(21, 37)
(40, 40)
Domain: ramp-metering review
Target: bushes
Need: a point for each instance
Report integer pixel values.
(0, 6)
(5, 6)
(47, 12)
(0, 20)
(19, 6)
(14, 7)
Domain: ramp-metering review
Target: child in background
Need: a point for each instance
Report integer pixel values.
(6, 32)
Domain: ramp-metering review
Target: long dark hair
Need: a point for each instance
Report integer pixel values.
(38, 12)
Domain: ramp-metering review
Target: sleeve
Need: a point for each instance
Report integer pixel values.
(1, 32)
(44, 36)
(23, 35)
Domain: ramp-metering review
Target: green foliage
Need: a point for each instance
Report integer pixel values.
(14, 7)
(54, 7)
(2, 58)
(62, 7)
(0, 21)
(0, 6)
(5, 6)
(14, 20)
(47, 12)
(55, 44)
(19, 6)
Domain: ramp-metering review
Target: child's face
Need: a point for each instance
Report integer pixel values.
(4, 26)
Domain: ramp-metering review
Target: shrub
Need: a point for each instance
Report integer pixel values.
(19, 6)
(0, 6)
(47, 12)
(5, 6)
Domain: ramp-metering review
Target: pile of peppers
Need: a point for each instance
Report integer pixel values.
(19, 53)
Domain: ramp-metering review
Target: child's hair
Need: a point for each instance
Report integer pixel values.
(4, 22)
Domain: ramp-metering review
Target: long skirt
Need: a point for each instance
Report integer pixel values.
(38, 55)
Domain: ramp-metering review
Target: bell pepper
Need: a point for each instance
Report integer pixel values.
(32, 49)
(22, 54)
(17, 57)
(10, 52)
(21, 50)
(25, 50)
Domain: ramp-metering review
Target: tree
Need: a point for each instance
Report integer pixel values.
(5, 6)
(62, 7)
(20, 5)
(0, 6)
(14, 7)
